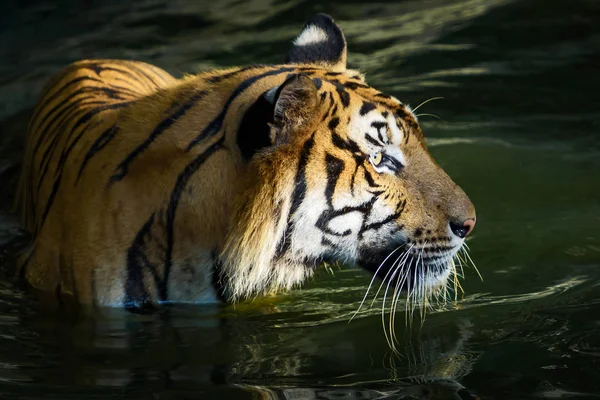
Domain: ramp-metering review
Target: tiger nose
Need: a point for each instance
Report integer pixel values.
(462, 230)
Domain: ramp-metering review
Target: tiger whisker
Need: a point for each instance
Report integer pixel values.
(396, 297)
(409, 300)
(472, 262)
(387, 338)
(424, 295)
(420, 282)
(461, 263)
(425, 102)
(414, 290)
(397, 267)
(371, 283)
(428, 115)
(384, 279)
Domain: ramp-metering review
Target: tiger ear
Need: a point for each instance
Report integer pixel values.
(295, 103)
(320, 42)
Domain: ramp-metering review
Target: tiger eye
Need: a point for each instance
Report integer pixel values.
(376, 159)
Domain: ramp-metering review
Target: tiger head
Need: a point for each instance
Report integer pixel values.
(346, 177)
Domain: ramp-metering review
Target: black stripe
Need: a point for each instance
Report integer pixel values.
(46, 100)
(378, 125)
(373, 141)
(227, 75)
(68, 105)
(125, 90)
(297, 195)
(176, 193)
(339, 142)
(67, 152)
(44, 164)
(128, 70)
(160, 73)
(64, 107)
(344, 95)
(93, 285)
(367, 107)
(307, 70)
(370, 179)
(139, 74)
(333, 123)
(323, 97)
(349, 145)
(100, 143)
(333, 109)
(59, 132)
(215, 125)
(335, 166)
(438, 249)
(354, 178)
(123, 167)
(376, 225)
(65, 116)
(137, 298)
(277, 210)
(355, 85)
(300, 180)
(318, 83)
(328, 215)
(144, 74)
(327, 243)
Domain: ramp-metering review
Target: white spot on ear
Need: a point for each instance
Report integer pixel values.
(312, 34)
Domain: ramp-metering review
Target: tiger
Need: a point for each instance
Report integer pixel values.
(140, 189)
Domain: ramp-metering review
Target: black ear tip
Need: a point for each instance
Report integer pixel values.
(323, 21)
(327, 25)
(320, 41)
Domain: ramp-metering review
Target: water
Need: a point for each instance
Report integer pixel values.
(519, 132)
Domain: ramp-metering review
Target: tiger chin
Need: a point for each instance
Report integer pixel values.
(141, 189)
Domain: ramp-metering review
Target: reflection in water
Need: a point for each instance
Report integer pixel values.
(448, 390)
(179, 351)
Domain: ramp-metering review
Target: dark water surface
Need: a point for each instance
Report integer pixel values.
(520, 132)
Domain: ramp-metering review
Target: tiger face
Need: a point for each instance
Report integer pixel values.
(388, 204)
(354, 181)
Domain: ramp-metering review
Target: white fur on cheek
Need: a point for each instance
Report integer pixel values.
(312, 34)
(346, 222)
